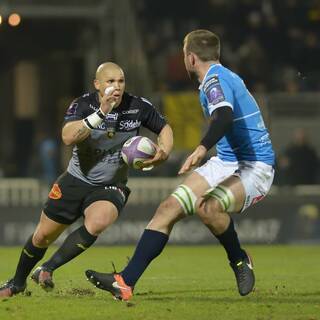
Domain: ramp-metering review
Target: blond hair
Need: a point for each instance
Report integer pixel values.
(204, 43)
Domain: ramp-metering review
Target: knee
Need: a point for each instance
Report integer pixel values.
(168, 209)
(97, 224)
(165, 206)
(42, 239)
(208, 211)
(167, 214)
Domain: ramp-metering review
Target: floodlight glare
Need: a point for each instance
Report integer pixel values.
(14, 19)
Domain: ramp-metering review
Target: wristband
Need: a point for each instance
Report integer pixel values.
(93, 121)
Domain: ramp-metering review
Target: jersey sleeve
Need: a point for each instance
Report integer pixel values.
(218, 93)
(77, 110)
(151, 118)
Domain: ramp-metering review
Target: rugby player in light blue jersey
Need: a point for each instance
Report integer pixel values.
(240, 175)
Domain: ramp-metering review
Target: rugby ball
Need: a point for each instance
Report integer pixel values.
(136, 150)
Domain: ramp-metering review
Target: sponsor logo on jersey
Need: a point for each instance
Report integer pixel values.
(55, 192)
(129, 124)
(212, 81)
(101, 126)
(112, 116)
(91, 106)
(213, 90)
(132, 111)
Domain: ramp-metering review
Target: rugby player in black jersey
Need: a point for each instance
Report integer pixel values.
(94, 185)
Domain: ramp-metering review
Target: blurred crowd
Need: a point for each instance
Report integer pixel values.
(298, 163)
(274, 45)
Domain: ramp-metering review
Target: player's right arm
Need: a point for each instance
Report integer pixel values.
(220, 107)
(78, 126)
(74, 132)
(221, 123)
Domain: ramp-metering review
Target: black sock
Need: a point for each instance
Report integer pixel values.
(29, 257)
(149, 247)
(229, 240)
(76, 242)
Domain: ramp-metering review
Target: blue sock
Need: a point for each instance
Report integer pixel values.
(149, 247)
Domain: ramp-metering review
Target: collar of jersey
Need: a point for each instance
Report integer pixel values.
(204, 78)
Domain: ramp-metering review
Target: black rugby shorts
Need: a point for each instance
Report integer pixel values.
(69, 197)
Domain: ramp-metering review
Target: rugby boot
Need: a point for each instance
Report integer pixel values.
(9, 289)
(243, 270)
(112, 282)
(43, 277)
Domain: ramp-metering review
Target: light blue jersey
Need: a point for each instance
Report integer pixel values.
(249, 138)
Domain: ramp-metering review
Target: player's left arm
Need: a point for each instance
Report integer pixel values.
(220, 106)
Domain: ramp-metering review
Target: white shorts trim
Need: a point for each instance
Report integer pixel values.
(256, 176)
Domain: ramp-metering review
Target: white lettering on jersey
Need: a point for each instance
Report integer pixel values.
(93, 107)
(129, 124)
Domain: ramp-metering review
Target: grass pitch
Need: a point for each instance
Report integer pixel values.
(183, 283)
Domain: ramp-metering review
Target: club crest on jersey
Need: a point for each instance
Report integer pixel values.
(111, 123)
(110, 132)
(55, 192)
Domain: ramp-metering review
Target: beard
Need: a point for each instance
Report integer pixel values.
(193, 77)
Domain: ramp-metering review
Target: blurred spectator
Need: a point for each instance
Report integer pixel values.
(176, 74)
(272, 35)
(299, 163)
(253, 61)
(289, 80)
(48, 151)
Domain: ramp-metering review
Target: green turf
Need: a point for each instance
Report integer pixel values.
(184, 283)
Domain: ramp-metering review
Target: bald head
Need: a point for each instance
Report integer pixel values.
(106, 68)
(109, 74)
